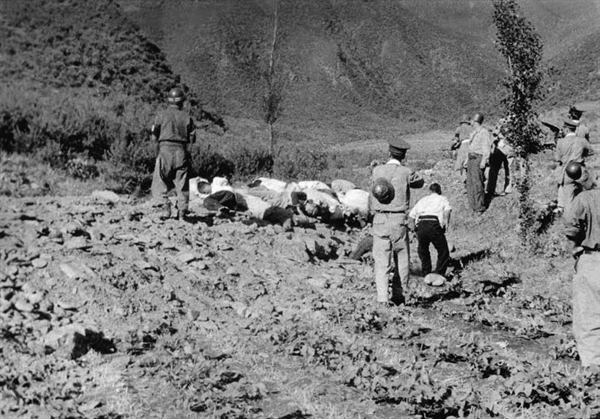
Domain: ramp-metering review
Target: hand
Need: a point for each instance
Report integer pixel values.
(375, 163)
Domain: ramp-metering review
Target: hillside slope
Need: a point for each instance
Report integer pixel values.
(416, 61)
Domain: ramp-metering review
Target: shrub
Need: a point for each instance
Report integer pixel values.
(249, 162)
(301, 162)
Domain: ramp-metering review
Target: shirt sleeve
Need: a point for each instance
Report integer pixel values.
(486, 144)
(414, 212)
(446, 204)
(574, 222)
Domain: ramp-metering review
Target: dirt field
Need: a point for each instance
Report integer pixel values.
(108, 312)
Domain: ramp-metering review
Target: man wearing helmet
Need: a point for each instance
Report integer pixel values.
(582, 227)
(389, 201)
(174, 129)
(570, 148)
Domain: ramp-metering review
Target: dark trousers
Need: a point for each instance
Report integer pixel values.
(497, 161)
(429, 231)
(220, 199)
(475, 183)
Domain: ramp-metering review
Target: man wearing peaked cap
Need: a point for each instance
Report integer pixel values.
(398, 146)
(570, 148)
(581, 129)
(390, 232)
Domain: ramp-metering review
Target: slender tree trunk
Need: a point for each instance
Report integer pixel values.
(272, 71)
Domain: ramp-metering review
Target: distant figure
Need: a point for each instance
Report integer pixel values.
(553, 134)
(389, 201)
(174, 129)
(460, 145)
(431, 218)
(582, 130)
(501, 157)
(582, 224)
(478, 158)
(570, 148)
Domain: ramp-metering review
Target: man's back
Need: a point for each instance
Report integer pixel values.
(175, 125)
(401, 178)
(572, 148)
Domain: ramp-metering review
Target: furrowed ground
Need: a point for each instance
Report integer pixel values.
(107, 312)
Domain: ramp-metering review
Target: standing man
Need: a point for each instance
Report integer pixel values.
(431, 216)
(460, 144)
(583, 229)
(570, 148)
(389, 201)
(501, 157)
(478, 158)
(582, 130)
(174, 129)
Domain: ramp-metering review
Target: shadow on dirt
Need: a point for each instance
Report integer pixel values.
(458, 264)
(91, 340)
(296, 415)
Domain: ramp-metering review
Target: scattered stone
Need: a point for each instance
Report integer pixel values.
(106, 196)
(77, 243)
(434, 280)
(318, 282)
(39, 263)
(187, 257)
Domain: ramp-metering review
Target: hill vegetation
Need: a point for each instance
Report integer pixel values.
(362, 62)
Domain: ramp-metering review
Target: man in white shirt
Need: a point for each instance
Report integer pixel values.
(431, 215)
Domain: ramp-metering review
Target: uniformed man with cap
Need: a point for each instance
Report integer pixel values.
(174, 130)
(389, 202)
(582, 227)
(582, 130)
(570, 148)
(480, 148)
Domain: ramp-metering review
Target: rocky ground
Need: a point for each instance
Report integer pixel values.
(108, 312)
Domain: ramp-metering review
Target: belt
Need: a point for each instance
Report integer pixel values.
(170, 143)
(475, 155)
(429, 218)
(390, 212)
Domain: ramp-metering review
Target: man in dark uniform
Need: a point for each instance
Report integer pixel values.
(390, 233)
(582, 227)
(174, 129)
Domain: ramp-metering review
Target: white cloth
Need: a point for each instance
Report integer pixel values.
(272, 184)
(322, 199)
(256, 206)
(221, 184)
(342, 186)
(313, 184)
(193, 184)
(433, 204)
(505, 148)
(355, 200)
